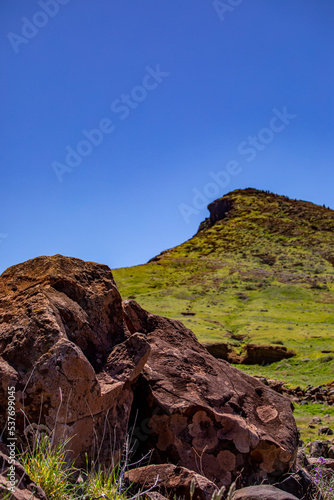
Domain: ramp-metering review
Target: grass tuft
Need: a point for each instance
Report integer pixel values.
(50, 469)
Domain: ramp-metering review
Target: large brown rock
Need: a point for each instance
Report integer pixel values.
(204, 414)
(65, 347)
(252, 354)
(172, 481)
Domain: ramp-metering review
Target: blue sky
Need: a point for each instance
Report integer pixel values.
(141, 106)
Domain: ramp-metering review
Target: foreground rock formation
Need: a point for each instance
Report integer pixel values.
(89, 367)
(63, 344)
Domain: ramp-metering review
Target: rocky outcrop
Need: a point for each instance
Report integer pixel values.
(252, 354)
(172, 481)
(88, 367)
(65, 347)
(255, 354)
(312, 394)
(219, 210)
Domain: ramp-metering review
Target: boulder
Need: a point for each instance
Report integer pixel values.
(318, 448)
(316, 421)
(262, 492)
(324, 429)
(203, 413)
(65, 347)
(172, 481)
(252, 354)
(255, 354)
(25, 488)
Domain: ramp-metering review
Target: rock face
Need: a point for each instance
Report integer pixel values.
(326, 464)
(264, 354)
(253, 354)
(64, 345)
(83, 364)
(219, 210)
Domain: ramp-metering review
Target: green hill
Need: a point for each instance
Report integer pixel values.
(260, 270)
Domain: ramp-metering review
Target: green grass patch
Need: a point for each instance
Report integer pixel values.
(303, 415)
(50, 469)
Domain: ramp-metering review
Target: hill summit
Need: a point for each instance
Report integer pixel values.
(242, 220)
(273, 207)
(259, 269)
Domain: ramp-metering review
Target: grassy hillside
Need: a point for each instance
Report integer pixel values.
(262, 273)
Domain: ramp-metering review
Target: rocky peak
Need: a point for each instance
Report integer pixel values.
(219, 210)
(254, 201)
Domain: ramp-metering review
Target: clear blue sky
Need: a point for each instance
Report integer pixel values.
(180, 89)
